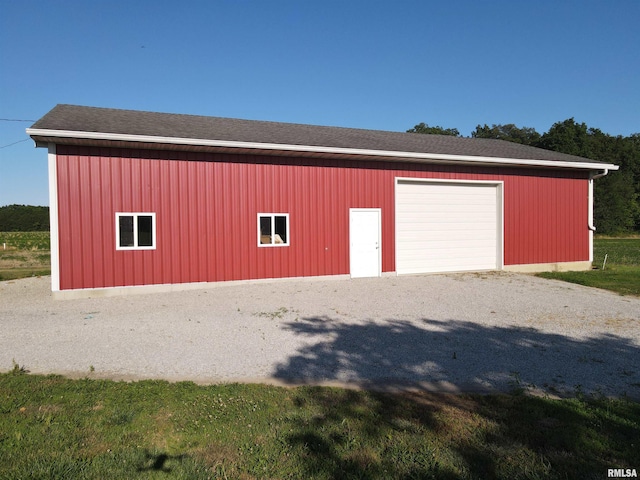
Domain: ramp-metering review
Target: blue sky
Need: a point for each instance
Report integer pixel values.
(384, 65)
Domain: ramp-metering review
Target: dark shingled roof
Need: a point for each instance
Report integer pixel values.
(130, 122)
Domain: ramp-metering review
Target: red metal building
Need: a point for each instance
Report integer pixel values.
(162, 201)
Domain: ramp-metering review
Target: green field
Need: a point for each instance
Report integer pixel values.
(24, 254)
(25, 240)
(56, 428)
(620, 273)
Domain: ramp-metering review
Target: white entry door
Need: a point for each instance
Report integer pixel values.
(365, 251)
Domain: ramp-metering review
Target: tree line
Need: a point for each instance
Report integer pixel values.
(616, 196)
(24, 218)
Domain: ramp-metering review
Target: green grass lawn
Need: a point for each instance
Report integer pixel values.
(621, 272)
(15, 273)
(56, 428)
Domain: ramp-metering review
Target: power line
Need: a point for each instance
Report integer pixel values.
(19, 141)
(14, 120)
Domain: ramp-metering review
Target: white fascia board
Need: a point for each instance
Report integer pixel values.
(122, 137)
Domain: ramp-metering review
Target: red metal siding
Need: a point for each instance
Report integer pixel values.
(545, 219)
(206, 209)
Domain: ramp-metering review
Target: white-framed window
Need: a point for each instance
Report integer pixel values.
(273, 229)
(135, 231)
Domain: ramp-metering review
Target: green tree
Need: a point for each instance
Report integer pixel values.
(437, 130)
(24, 218)
(568, 137)
(616, 196)
(509, 132)
(615, 209)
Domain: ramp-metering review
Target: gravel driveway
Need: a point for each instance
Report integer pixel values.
(460, 332)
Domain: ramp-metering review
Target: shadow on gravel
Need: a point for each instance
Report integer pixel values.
(461, 356)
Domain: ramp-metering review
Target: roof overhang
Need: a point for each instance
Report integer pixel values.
(43, 137)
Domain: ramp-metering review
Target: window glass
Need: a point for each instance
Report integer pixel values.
(280, 229)
(265, 230)
(145, 231)
(126, 231)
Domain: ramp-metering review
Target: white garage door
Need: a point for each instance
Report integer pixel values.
(447, 227)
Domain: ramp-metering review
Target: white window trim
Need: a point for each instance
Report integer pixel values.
(135, 230)
(273, 229)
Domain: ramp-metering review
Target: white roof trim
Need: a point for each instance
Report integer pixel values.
(316, 149)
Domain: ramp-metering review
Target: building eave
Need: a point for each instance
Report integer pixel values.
(43, 137)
